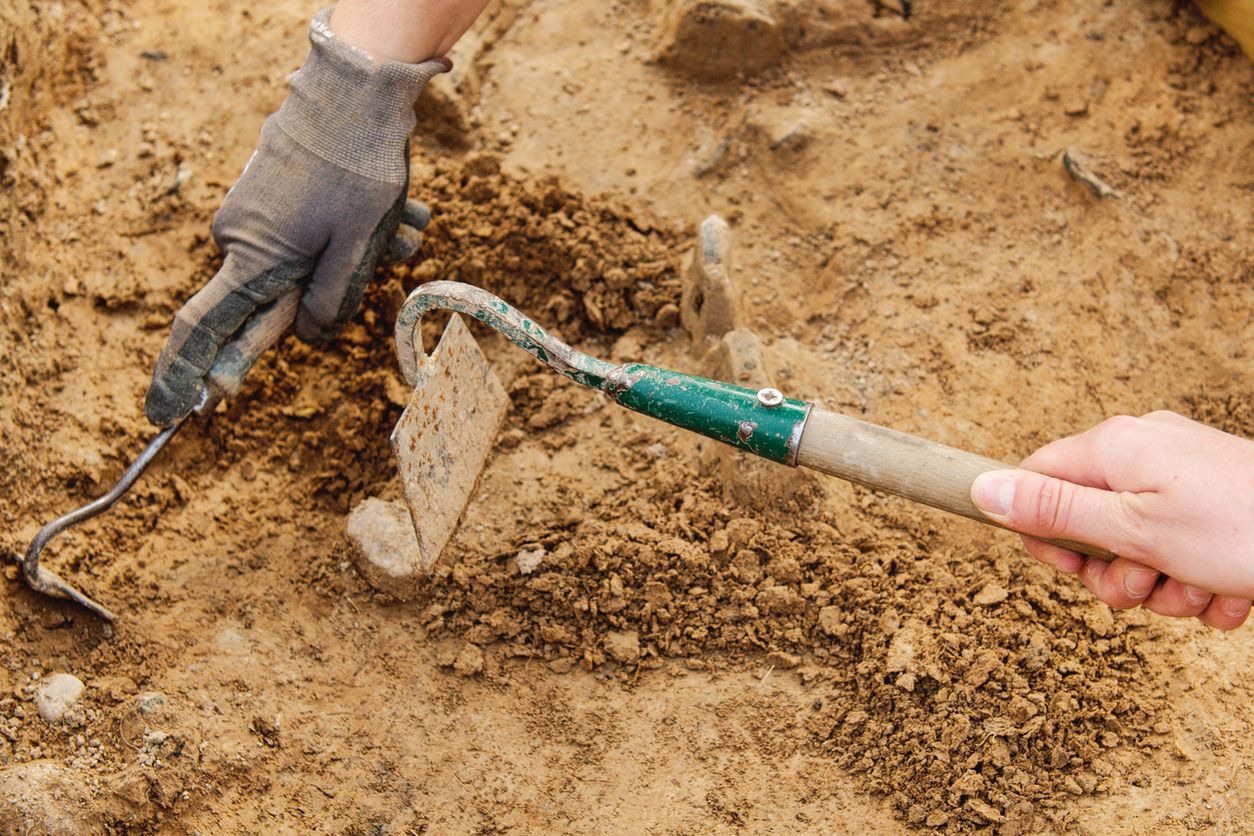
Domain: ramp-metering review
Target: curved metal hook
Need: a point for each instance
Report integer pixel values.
(43, 580)
(223, 380)
(497, 314)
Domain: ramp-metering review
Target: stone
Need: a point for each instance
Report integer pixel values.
(150, 703)
(384, 545)
(791, 138)
(717, 40)
(1076, 107)
(623, 646)
(43, 797)
(529, 560)
(707, 303)
(905, 646)
(1197, 35)
(57, 699)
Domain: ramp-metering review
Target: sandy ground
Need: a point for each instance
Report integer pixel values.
(908, 249)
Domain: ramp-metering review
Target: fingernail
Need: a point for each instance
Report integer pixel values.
(1235, 607)
(1139, 582)
(994, 493)
(1196, 594)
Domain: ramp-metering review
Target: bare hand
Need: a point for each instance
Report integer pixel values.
(1174, 499)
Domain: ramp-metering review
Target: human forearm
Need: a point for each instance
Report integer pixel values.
(404, 30)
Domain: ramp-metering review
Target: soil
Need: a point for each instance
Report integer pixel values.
(908, 247)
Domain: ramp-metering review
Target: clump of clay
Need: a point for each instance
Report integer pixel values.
(713, 40)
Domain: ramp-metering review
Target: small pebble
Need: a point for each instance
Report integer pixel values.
(150, 702)
(992, 593)
(469, 662)
(57, 699)
(529, 560)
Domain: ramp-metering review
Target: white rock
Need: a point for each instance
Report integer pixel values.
(57, 699)
(150, 703)
(385, 545)
(529, 561)
(829, 620)
(906, 644)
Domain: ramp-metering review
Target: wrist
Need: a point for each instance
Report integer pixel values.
(386, 30)
(352, 108)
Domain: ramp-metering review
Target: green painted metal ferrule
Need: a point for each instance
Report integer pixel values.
(763, 422)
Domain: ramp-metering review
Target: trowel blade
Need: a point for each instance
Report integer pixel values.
(444, 436)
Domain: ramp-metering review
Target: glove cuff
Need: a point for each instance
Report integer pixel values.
(352, 109)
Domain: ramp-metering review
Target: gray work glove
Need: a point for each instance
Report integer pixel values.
(318, 203)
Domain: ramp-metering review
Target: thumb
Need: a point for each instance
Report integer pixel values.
(1043, 506)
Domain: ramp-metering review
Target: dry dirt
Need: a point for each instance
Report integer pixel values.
(909, 248)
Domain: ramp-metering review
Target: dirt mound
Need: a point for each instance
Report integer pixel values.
(910, 249)
(995, 700)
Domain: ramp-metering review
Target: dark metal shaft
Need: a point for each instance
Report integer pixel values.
(41, 579)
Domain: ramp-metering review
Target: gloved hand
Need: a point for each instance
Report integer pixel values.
(321, 199)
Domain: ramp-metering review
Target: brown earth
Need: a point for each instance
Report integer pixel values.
(909, 248)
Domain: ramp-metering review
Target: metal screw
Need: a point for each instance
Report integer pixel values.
(770, 398)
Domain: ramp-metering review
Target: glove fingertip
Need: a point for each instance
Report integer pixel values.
(162, 406)
(310, 329)
(404, 244)
(416, 214)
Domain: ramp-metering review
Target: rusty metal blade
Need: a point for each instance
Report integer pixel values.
(444, 436)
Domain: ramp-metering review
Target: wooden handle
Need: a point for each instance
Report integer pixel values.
(901, 464)
(261, 331)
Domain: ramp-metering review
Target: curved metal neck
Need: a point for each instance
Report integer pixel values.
(497, 314)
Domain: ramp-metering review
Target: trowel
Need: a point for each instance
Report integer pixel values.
(763, 422)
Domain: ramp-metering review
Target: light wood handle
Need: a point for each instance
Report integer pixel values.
(921, 470)
(261, 331)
